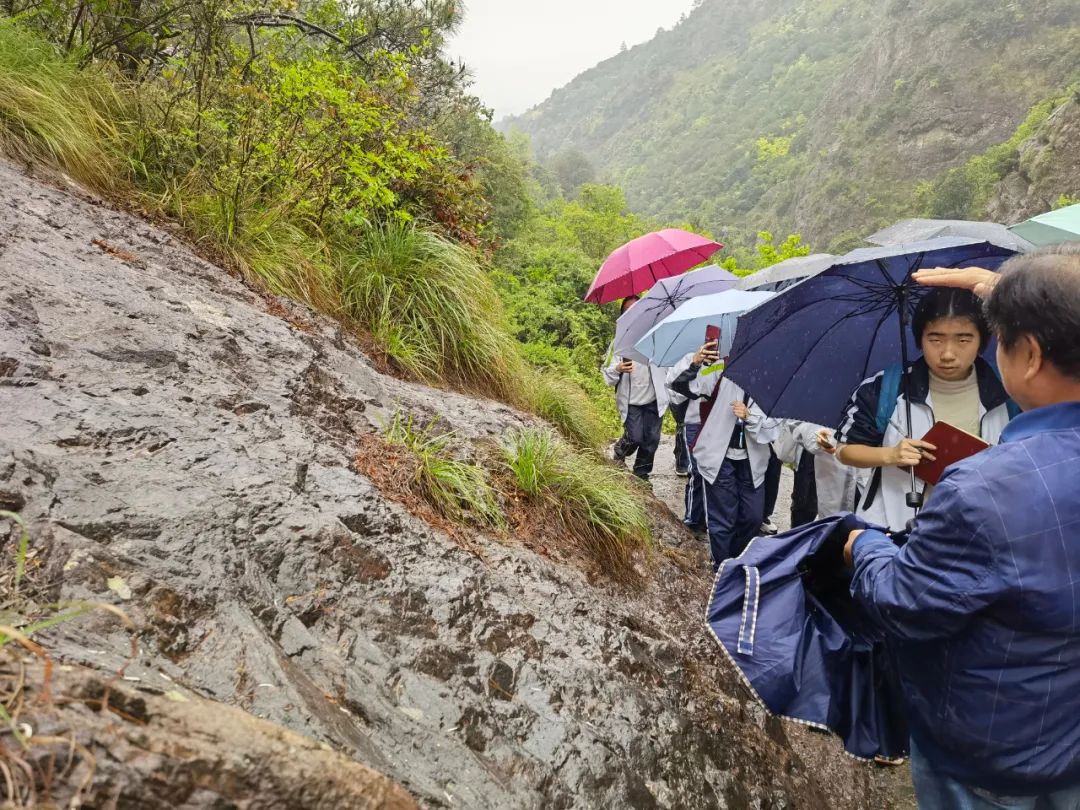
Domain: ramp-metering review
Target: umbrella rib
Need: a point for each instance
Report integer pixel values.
(866, 363)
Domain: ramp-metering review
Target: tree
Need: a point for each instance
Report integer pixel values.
(572, 170)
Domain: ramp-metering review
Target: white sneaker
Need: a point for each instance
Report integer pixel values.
(768, 527)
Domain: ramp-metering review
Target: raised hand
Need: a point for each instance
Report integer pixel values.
(976, 279)
(707, 354)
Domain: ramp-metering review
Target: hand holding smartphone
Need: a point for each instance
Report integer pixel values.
(824, 440)
(710, 352)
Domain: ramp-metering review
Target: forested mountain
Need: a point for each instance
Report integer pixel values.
(818, 116)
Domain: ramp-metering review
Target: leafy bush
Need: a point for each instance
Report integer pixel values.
(459, 490)
(599, 505)
(50, 111)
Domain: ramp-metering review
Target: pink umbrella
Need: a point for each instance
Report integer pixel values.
(638, 265)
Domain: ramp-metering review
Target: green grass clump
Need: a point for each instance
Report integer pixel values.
(269, 248)
(596, 503)
(22, 549)
(566, 406)
(52, 112)
(459, 490)
(430, 305)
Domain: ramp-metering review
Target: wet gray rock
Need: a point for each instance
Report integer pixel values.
(158, 423)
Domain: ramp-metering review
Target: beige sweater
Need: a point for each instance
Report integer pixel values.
(957, 402)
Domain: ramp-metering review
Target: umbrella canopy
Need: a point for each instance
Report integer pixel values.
(782, 614)
(1051, 228)
(664, 298)
(919, 230)
(787, 273)
(639, 264)
(802, 354)
(684, 330)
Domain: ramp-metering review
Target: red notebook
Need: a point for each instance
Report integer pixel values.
(952, 445)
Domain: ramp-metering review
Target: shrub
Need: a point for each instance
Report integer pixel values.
(52, 112)
(596, 504)
(459, 490)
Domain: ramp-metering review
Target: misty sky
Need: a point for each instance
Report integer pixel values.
(518, 51)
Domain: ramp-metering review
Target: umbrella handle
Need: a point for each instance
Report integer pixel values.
(914, 497)
(750, 605)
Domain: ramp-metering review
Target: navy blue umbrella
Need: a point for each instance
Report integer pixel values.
(783, 614)
(801, 354)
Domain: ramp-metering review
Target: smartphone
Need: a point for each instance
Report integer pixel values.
(712, 333)
(825, 440)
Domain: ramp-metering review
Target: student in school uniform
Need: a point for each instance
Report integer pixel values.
(823, 486)
(642, 399)
(694, 493)
(949, 383)
(731, 452)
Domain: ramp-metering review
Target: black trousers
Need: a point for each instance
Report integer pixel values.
(772, 484)
(804, 506)
(641, 435)
(733, 507)
(682, 453)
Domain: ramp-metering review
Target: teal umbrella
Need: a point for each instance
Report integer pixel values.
(1051, 228)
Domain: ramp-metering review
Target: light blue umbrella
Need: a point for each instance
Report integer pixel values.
(1051, 228)
(684, 330)
(666, 296)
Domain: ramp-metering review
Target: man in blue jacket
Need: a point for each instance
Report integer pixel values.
(983, 602)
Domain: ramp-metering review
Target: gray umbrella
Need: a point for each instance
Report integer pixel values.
(918, 230)
(787, 273)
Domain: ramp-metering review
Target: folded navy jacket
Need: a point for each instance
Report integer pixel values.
(783, 613)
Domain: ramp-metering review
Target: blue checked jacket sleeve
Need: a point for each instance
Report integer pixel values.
(948, 571)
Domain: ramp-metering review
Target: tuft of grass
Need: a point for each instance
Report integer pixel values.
(459, 490)
(429, 304)
(22, 618)
(566, 406)
(595, 503)
(54, 113)
(268, 248)
(22, 549)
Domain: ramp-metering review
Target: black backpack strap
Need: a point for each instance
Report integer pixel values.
(872, 490)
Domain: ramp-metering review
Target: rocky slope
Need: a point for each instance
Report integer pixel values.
(183, 446)
(1048, 168)
(814, 116)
